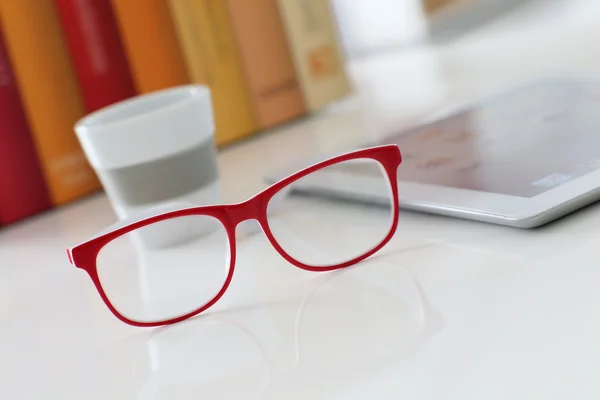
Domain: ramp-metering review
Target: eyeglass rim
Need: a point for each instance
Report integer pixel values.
(84, 255)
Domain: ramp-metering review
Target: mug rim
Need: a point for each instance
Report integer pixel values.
(105, 117)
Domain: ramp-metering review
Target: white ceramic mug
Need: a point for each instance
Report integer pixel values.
(154, 151)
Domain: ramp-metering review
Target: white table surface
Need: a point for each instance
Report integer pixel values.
(450, 309)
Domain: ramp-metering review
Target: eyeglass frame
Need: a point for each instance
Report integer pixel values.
(84, 255)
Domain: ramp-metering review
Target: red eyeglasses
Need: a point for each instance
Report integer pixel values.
(168, 267)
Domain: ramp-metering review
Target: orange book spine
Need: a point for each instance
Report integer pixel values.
(267, 61)
(151, 44)
(50, 94)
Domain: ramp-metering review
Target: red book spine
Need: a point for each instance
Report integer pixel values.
(23, 190)
(98, 56)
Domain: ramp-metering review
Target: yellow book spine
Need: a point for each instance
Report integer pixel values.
(151, 45)
(50, 94)
(311, 32)
(212, 58)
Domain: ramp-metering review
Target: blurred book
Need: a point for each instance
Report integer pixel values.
(50, 94)
(96, 50)
(318, 57)
(266, 61)
(211, 55)
(23, 190)
(150, 43)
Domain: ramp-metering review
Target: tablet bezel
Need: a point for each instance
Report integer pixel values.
(496, 204)
(458, 201)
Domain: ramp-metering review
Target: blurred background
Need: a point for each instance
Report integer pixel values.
(269, 64)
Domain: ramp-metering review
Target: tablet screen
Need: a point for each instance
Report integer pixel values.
(522, 143)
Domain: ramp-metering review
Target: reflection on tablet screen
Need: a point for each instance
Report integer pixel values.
(522, 143)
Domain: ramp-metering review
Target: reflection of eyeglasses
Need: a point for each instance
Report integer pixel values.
(189, 254)
(184, 359)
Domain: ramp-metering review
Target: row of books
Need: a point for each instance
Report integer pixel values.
(266, 62)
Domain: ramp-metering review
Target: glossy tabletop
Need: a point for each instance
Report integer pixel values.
(450, 309)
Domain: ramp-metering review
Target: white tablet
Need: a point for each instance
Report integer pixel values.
(521, 158)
